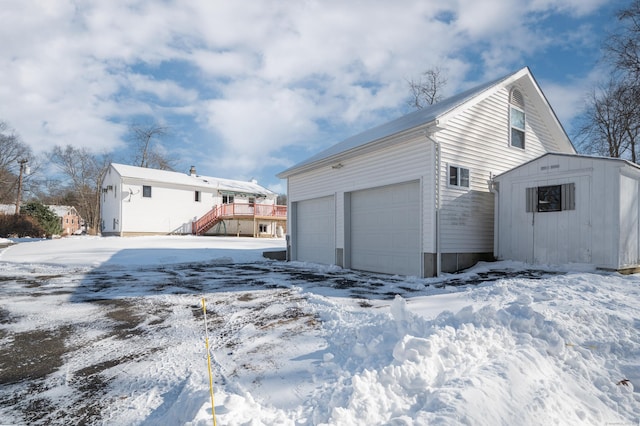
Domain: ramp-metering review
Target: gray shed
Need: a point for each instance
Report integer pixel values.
(563, 208)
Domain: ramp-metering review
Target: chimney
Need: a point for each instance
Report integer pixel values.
(192, 171)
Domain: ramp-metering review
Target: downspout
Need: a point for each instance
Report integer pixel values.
(437, 176)
(495, 190)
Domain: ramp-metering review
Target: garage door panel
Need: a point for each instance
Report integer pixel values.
(385, 229)
(315, 230)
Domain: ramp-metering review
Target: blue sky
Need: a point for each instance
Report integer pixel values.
(249, 88)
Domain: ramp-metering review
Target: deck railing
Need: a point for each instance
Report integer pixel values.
(236, 210)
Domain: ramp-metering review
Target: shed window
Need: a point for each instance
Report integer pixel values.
(516, 119)
(551, 198)
(146, 191)
(458, 176)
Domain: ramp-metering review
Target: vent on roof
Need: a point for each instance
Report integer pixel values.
(517, 99)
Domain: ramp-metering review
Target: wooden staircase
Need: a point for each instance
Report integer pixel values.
(208, 221)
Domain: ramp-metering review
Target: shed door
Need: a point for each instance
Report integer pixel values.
(315, 230)
(385, 229)
(555, 237)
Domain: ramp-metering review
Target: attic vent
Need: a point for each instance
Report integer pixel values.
(517, 99)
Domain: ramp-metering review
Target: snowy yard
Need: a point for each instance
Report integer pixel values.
(111, 331)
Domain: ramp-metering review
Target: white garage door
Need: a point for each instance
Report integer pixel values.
(315, 230)
(385, 229)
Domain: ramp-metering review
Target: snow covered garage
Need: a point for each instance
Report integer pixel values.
(563, 208)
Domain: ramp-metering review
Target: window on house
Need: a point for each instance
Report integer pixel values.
(146, 191)
(458, 176)
(263, 228)
(227, 199)
(516, 119)
(252, 201)
(551, 198)
(197, 196)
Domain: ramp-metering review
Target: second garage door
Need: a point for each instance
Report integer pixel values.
(386, 230)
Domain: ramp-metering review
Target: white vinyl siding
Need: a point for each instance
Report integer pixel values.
(408, 161)
(475, 139)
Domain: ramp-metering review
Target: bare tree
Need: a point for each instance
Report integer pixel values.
(611, 122)
(623, 47)
(83, 172)
(148, 154)
(12, 150)
(427, 89)
(611, 119)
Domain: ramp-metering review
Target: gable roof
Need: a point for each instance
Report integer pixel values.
(197, 181)
(62, 211)
(620, 161)
(426, 117)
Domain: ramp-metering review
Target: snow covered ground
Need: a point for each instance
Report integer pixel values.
(111, 331)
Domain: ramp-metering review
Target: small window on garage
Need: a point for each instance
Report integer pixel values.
(146, 191)
(458, 177)
(551, 198)
(197, 196)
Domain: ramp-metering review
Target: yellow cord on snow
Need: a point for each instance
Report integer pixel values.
(206, 331)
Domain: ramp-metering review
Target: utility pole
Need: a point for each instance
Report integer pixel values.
(23, 166)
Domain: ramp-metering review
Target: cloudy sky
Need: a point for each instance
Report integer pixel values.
(249, 88)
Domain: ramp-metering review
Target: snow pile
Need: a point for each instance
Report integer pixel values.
(559, 348)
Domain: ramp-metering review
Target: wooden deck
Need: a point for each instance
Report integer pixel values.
(238, 211)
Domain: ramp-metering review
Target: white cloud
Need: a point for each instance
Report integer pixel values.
(258, 76)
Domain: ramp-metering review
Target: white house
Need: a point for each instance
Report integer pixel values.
(561, 209)
(412, 196)
(142, 201)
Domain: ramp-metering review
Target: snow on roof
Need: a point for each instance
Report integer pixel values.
(7, 208)
(578, 156)
(177, 178)
(424, 116)
(61, 211)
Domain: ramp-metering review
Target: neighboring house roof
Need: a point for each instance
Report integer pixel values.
(425, 117)
(62, 211)
(204, 182)
(7, 208)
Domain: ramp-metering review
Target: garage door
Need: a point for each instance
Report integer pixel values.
(385, 229)
(315, 230)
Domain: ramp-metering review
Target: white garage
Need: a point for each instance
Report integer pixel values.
(560, 209)
(315, 230)
(385, 229)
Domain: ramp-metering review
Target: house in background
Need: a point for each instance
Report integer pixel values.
(70, 220)
(142, 201)
(412, 196)
(562, 209)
